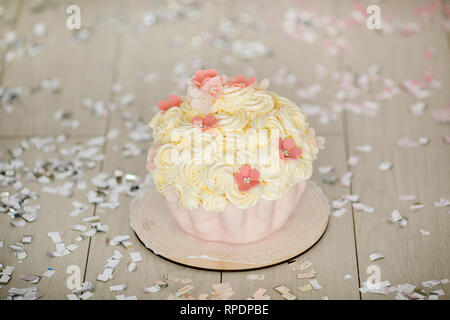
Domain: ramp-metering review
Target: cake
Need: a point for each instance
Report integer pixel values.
(231, 158)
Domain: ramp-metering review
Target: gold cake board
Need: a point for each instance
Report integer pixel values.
(160, 233)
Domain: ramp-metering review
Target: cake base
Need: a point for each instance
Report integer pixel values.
(160, 233)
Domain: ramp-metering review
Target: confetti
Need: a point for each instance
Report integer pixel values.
(156, 287)
(362, 207)
(352, 161)
(339, 212)
(30, 278)
(346, 179)
(119, 287)
(305, 275)
(285, 292)
(314, 284)
(255, 277)
(325, 169)
(49, 273)
(385, 166)
(416, 206)
(305, 287)
(418, 108)
(407, 197)
(364, 148)
(396, 217)
(443, 202)
(260, 294)
(375, 256)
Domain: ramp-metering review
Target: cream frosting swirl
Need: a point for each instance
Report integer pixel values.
(256, 119)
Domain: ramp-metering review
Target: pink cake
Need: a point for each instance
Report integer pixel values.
(231, 158)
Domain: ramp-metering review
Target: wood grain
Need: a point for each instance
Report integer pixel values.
(83, 68)
(52, 216)
(409, 256)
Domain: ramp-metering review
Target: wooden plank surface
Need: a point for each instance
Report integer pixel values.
(53, 216)
(10, 11)
(83, 68)
(409, 256)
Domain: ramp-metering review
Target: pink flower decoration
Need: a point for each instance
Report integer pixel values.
(201, 76)
(200, 100)
(205, 123)
(213, 86)
(241, 81)
(247, 178)
(288, 150)
(174, 101)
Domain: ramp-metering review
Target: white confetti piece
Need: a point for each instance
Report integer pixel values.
(347, 276)
(255, 277)
(395, 216)
(315, 284)
(136, 256)
(325, 169)
(418, 108)
(78, 227)
(55, 236)
(86, 295)
(385, 166)
(48, 273)
(364, 148)
(72, 296)
(424, 232)
(119, 287)
(407, 197)
(376, 256)
(79, 208)
(352, 161)
(362, 207)
(443, 202)
(132, 266)
(416, 206)
(339, 212)
(346, 179)
(351, 197)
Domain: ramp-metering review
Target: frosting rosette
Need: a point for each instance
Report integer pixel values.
(229, 141)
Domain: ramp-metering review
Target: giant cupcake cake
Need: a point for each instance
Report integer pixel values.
(231, 158)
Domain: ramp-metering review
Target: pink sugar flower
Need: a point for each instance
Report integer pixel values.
(288, 150)
(241, 81)
(205, 123)
(200, 100)
(213, 87)
(201, 76)
(247, 178)
(174, 101)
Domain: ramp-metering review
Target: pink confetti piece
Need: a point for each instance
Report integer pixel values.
(442, 115)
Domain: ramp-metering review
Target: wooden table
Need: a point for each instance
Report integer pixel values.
(120, 50)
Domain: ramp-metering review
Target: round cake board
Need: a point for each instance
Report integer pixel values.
(160, 233)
